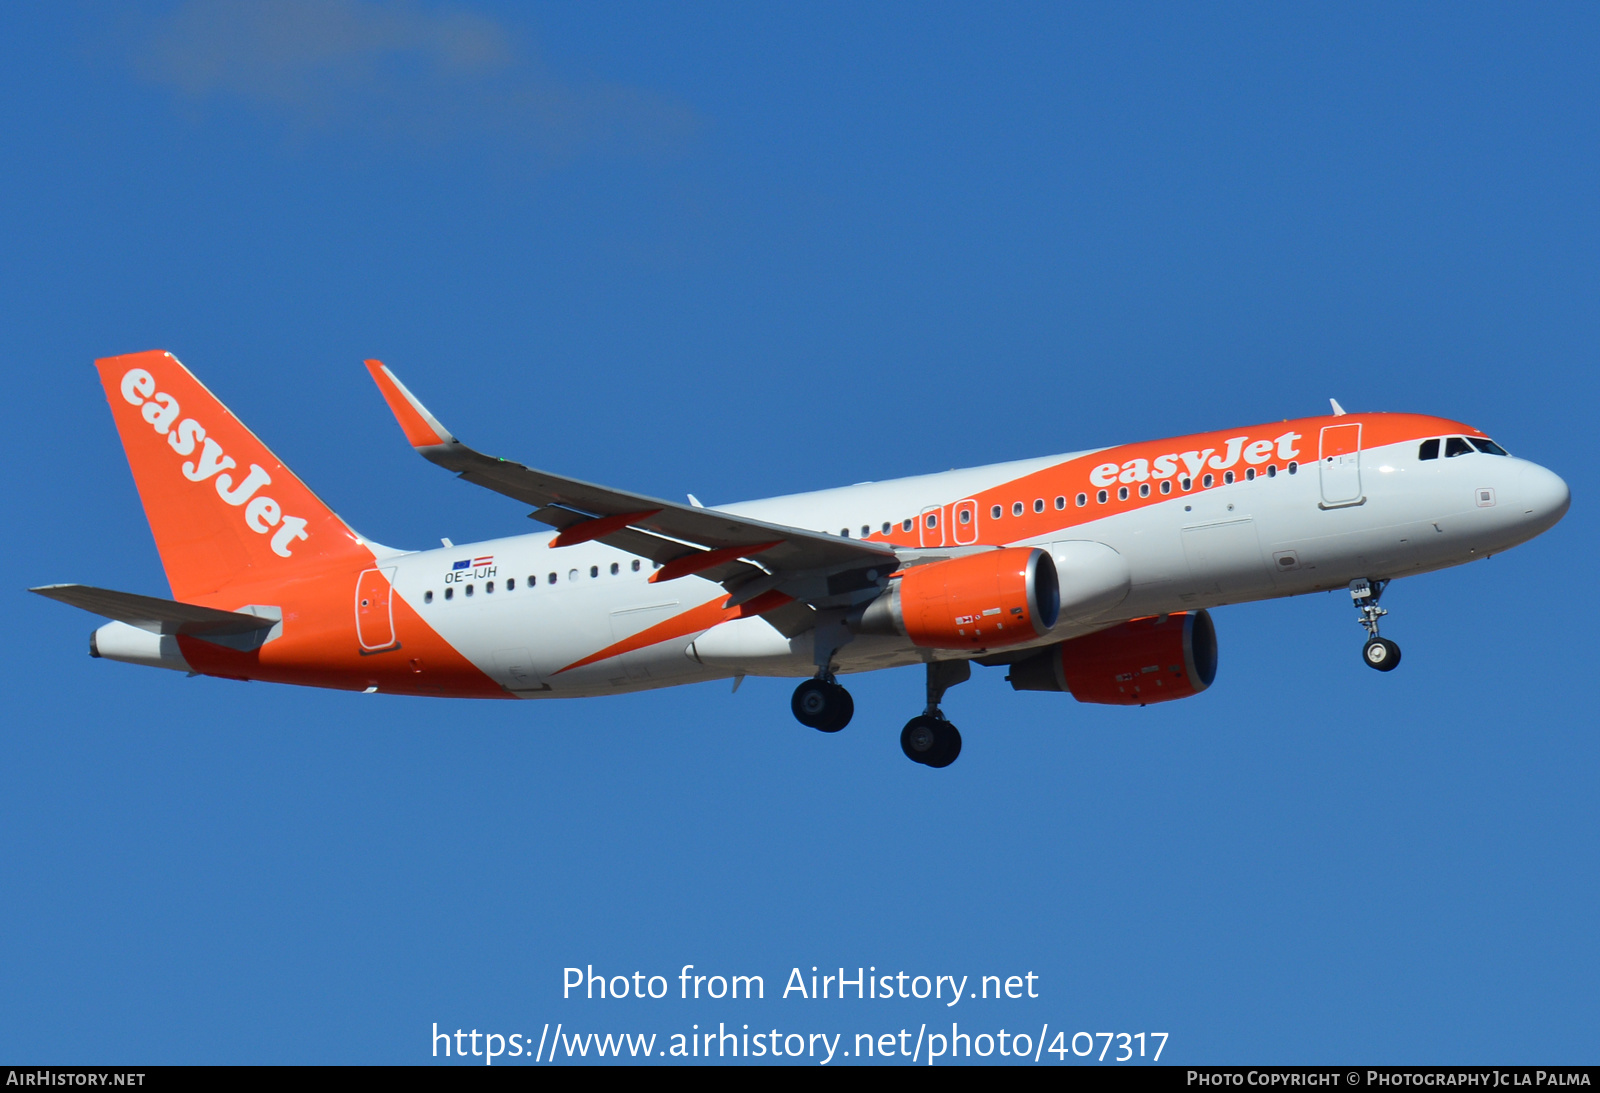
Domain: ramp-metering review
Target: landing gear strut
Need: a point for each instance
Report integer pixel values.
(1379, 653)
(928, 738)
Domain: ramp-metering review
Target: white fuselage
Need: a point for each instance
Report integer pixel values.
(533, 611)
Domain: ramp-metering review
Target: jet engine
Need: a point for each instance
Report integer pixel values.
(991, 600)
(1147, 660)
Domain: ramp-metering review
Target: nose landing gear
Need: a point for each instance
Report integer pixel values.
(1379, 653)
(928, 738)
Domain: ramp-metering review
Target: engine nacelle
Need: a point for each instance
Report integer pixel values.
(991, 600)
(1147, 660)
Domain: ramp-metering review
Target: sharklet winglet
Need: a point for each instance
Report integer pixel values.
(422, 429)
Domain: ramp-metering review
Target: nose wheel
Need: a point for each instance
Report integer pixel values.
(823, 705)
(1379, 653)
(1382, 654)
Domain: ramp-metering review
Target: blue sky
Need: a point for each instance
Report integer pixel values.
(746, 250)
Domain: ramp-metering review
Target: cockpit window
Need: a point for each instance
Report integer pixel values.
(1429, 449)
(1487, 446)
(1456, 445)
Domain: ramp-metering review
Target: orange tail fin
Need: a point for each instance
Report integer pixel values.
(224, 511)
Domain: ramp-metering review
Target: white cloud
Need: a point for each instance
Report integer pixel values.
(399, 72)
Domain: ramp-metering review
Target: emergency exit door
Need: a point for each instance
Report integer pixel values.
(1339, 462)
(375, 610)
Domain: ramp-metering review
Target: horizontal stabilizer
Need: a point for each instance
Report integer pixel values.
(156, 615)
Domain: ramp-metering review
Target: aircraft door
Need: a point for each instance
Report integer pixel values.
(1339, 461)
(964, 522)
(375, 610)
(930, 527)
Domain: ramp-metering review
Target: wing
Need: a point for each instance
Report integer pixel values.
(749, 557)
(156, 615)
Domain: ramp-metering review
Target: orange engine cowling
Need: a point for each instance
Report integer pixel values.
(1154, 659)
(990, 600)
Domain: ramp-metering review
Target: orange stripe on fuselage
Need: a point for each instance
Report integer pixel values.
(692, 621)
(1067, 480)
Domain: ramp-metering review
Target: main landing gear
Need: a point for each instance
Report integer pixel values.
(820, 703)
(1379, 653)
(928, 738)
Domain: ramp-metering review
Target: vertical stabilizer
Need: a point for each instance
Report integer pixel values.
(224, 511)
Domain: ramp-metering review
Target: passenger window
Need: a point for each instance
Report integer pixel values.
(615, 569)
(1207, 481)
(1187, 484)
(933, 519)
(1166, 485)
(449, 593)
(427, 597)
(1144, 489)
(1101, 497)
(1122, 493)
(905, 525)
(511, 584)
(1294, 466)
(1016, 508)
(469, 590)
(636, 565)
(1487, 446)
(572, 575)
(1061, 503)
(1272, 470)
(866, 530)
(1227, 478)
(844, 533)
(1429, 449)
(1250, 474)
(886, 526)
(1082, 499)
(488, 587)
(532, 581)
(994, 513)
(594, 571)
(550, 579)
(1038, 504)
(966, 516)
(1455, 446)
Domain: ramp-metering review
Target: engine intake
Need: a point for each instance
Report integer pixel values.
(991, 600)
(1147, 660)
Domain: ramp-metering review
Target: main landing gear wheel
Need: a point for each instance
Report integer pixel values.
(1382, 654)
(823, 705)
(931, 741)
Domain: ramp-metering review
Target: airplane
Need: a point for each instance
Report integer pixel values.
(1090, 573)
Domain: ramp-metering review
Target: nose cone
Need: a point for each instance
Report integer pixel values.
(1543, 498)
